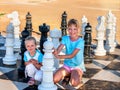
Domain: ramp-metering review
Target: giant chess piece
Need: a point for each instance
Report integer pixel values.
(48, 68)
(87, 47)
(110, 33)
(25, 33)
(16, 23)
(2, 40)
(56, 35)
(100, 51)
(84, 23)
(9, 58)
(64, 24)
(44, 29)
(2, 44)
(29, 23)
(114, 31)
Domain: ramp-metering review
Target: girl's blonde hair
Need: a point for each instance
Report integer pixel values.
(31, 38)
(73, 22)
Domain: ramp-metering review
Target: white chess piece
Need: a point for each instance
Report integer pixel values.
(84, 23)
(9, 58)
(48, 68)
(55, 35)
(110, 34)
(16, 23)
(100, 51)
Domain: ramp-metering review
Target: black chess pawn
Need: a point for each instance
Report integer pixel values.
(87, 47)
(29, 23)
(64, 24)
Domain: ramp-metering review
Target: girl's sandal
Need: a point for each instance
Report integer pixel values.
(80, 85)
(31, 81)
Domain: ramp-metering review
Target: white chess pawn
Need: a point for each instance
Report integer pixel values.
(48, 68)
(55, 35)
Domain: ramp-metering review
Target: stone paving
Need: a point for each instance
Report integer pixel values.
(102, 74)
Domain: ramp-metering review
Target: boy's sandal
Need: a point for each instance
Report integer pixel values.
(31, 81)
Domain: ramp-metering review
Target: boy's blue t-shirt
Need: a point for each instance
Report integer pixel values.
(78, 60)
(38, 56)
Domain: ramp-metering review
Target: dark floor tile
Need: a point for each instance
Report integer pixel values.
(90, 72)
(9, 66)
(13, 76)
(108, 57)
(113, 66)
(100, 85)
(118, 46)
(33, 87)
(2, 53)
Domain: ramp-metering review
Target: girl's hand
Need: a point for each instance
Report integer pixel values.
(33, 61)
(55, 51)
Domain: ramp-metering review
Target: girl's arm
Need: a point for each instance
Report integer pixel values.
(26, 63)
(36, 63)
(57, 51)
(69, 55)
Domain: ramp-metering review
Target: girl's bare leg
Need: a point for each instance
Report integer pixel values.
(60, 74)
(76, 77)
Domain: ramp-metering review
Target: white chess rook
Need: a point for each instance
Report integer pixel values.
(9, 58)
(55, 35)
(48, 68)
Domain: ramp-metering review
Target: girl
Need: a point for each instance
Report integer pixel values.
(33, 61)
(73, 59)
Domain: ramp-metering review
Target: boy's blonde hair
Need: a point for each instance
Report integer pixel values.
(31, 38)
(73, 22)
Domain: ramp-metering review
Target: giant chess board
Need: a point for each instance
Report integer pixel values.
(102, 74)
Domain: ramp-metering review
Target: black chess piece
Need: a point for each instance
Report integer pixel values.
(25, 33)
(44, 29)
(29, 23)
(64, 24)
(87, 47)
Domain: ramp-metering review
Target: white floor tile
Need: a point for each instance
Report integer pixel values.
(5, 70)
(98, 64)
(20, 85)
(107, 75)
(7, 85)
